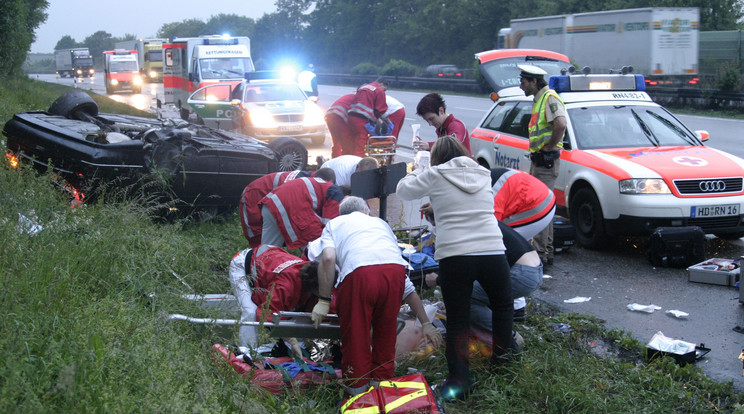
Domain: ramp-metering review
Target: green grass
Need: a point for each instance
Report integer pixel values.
(82, 331)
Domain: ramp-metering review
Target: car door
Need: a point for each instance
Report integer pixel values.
(213, 106)
(511, 146)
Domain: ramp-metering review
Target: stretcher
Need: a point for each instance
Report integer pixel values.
(282, 324)
(381, 148)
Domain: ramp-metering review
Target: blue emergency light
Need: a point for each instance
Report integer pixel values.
(597, 83)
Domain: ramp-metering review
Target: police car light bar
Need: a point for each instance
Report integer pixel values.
(261, 74)
(583, 83)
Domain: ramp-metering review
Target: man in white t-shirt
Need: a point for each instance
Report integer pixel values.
(346, 165)
(369, 290)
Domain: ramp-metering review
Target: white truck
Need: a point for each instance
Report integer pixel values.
(660, 43)
(121, 71)
(192, 62)
(76, 62)
(149, 55)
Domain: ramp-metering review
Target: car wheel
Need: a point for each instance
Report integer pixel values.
(292, 155)
(72, 102)
(586, 216)
(318, 139)
(730, 236)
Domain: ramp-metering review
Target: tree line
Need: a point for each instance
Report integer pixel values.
(339, 35)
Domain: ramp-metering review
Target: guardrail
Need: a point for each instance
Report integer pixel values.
(667, 96)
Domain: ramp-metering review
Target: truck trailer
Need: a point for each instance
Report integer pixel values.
(121, 71)
(76, 62)
(660, 43)
(150, 55)
(192, 62)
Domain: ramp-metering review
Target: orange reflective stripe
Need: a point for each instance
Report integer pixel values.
(404, 399)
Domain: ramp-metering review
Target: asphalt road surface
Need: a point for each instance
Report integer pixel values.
(613, 278)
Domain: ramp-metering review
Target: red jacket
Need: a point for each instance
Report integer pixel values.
(302, 207)
(278, 275)
(369, 102)
(519, 198)
(250, 211)
(341, 106)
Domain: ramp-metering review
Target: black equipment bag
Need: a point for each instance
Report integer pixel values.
(564, 235)
(676, 246)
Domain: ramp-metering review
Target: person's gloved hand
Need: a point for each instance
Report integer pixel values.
(381, 127)
(320, 311)
(296, 350)
(432, 334)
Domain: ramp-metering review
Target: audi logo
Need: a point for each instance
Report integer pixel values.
(712, 186)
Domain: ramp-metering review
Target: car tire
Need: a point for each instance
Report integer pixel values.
(292, 155)
(72, 102)
(318, 140)
(586, 216)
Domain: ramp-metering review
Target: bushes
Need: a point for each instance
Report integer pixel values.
(365, 68)
(396, 67)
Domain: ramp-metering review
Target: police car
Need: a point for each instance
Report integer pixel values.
(261, 106)
(628, 165)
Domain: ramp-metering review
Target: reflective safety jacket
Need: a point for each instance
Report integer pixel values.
(250, 211)
(302, 207)
(539, 128)
(341, 106)
(369, 102)
(519, 198)
(277, 280)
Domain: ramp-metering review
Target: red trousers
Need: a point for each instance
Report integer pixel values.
(369, 297)
(340, 134)
(359, 135)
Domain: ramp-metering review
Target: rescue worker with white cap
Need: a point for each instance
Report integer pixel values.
(546, 129)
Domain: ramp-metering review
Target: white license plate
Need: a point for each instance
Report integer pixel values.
(288, 128)
(714, 211)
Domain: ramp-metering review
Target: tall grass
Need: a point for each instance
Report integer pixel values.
(81, 327)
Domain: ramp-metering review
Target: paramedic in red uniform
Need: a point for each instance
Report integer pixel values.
(250, 210)
(434, 111)
(522, 201)
(270, 273)
(369, 290)
(337, 120)
(368, 106)
(295, 213)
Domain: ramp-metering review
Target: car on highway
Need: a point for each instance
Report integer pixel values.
(206, 168)
(266, 109)
(628, 165)
(442, 71)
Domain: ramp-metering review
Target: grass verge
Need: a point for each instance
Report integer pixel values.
(82, 331)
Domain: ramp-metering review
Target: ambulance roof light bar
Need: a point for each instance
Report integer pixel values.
(597, 82)
(219, 40)
(261, 75)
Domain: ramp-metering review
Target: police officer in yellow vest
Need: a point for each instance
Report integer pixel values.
(547, 127)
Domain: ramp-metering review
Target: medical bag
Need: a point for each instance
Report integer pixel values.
(564, 235)
(676, 246)
(406, 394)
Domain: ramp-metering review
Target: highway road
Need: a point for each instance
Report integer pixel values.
(613, 278)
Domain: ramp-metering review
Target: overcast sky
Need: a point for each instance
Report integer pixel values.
(142, 18)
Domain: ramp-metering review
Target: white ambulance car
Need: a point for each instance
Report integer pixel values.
(628, 165)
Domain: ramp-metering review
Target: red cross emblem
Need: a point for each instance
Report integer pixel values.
(691, 161)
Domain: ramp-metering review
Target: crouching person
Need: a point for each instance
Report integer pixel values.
(369, 291)
(267, 279)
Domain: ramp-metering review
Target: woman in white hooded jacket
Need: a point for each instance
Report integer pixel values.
(469, 247)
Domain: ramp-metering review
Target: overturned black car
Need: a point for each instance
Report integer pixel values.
(206, 168)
